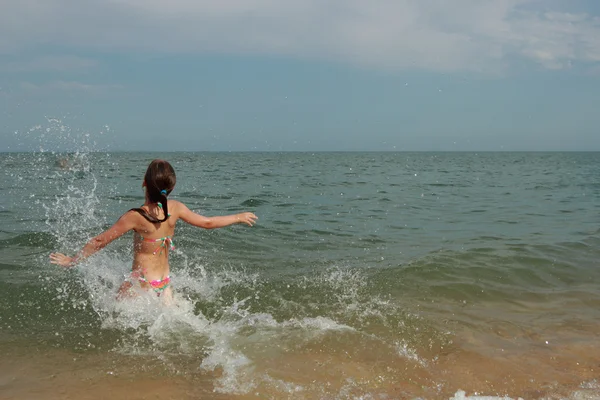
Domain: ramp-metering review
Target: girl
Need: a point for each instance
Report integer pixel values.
(154, 226)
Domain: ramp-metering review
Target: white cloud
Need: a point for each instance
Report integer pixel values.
(442, 35)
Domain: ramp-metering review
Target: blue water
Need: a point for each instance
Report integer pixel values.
(410, 266)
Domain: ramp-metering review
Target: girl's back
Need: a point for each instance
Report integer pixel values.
(152, 242)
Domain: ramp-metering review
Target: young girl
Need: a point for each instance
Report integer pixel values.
(154, 226)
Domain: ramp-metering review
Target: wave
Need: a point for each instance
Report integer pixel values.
(29, 239)
(231, 320)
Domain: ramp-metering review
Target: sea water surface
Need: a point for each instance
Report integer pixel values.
(368, 276)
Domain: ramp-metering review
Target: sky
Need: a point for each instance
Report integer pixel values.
(300, 75)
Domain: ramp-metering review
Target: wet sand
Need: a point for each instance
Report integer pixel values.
(570, 370)
(60, 374)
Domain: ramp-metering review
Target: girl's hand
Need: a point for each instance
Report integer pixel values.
(247, 218)
(62, 260)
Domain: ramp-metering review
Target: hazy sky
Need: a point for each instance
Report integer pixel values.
(300, 75)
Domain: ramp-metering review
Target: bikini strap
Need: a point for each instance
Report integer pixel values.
(164, 240)
(145, 214)
(149, 217)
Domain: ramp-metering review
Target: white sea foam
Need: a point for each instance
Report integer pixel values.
(228, 345)
(404, 350)
(461, 395)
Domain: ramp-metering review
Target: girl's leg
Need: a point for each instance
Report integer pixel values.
(167, 296)
(126, 291)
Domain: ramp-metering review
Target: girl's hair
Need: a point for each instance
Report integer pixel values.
(160, 181)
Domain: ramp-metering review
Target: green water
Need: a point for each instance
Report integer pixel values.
(389, 250)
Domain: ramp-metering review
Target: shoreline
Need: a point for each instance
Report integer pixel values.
(554, 372)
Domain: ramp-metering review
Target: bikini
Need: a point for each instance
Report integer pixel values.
(158, 285)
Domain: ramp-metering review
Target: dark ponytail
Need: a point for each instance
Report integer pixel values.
(159, 180)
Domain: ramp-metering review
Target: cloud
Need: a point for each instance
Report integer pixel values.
(555, 40)
(460, 35)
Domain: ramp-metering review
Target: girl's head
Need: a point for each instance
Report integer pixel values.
(159, 182)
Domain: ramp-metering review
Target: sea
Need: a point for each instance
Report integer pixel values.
(369, 275)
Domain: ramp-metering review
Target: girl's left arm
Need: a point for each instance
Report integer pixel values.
(122, 226)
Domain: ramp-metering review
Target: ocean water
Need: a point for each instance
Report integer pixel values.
(368, 276)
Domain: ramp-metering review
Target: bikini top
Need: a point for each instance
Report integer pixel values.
(164, 242)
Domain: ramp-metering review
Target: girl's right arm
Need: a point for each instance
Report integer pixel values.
(201, 221)
(122, 226)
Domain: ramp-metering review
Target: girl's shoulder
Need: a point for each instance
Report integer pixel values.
(175, 207)
(174, 204)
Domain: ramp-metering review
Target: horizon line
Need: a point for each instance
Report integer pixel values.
(289, 151)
